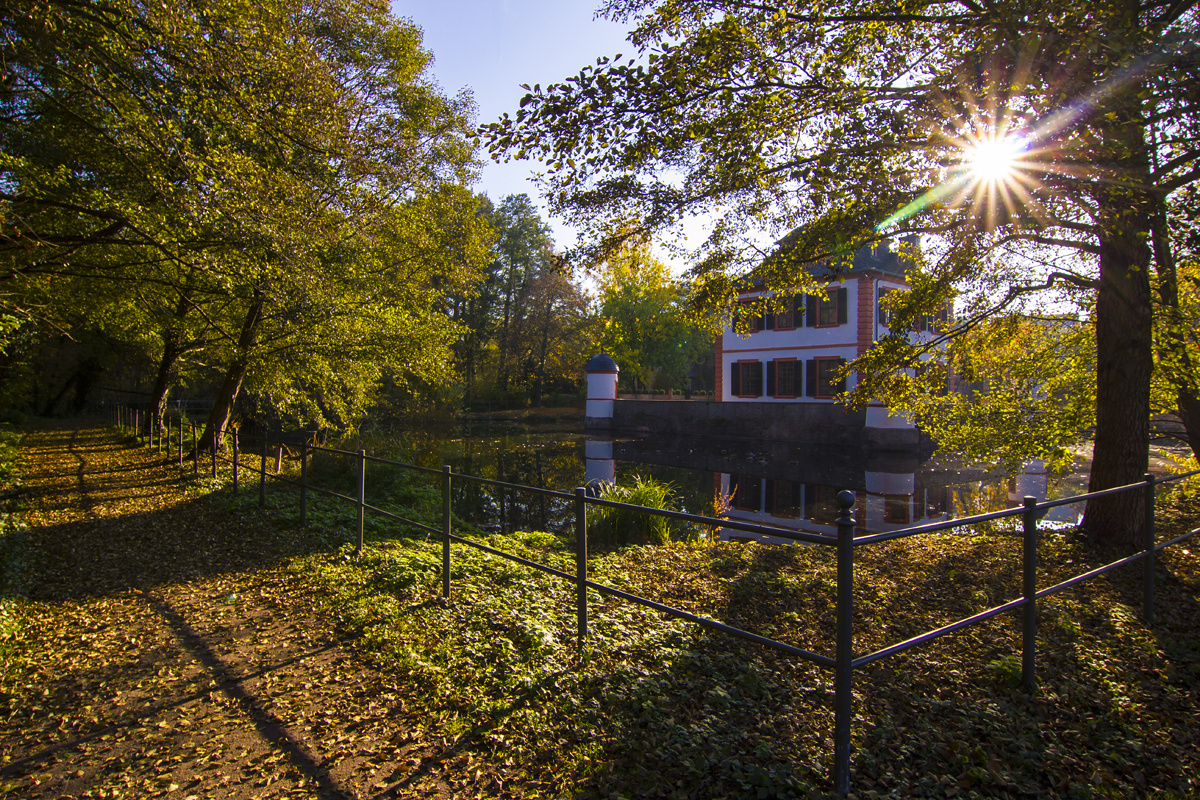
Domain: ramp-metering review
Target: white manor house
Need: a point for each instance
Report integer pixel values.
(795, 355)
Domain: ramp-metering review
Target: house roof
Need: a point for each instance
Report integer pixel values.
(878, 258)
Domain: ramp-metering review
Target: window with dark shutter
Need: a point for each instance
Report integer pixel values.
(826, 376)
(785, 377)
(771, 378)
(748, 379)
(735, 379)
(824, 312)
(810, 377)
(810, 310)
(752, 379)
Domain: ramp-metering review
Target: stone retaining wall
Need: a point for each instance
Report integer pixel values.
(810, 423)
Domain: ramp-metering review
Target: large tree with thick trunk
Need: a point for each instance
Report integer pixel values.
(1030, 145)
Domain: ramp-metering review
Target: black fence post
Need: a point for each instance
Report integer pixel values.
(303, 481)
(262, 475)
(362, 496)
(446, 531)
(216, 437)
(195, 450)
(581, 562)
(843, 681)
(1029, 591)
(181, 443)
(235, 462)
(1148, 574)
(137, 425)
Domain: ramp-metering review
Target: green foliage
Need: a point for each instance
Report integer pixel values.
(1023, 389)
(646, 326)
(623, 526)
(268, 196)
(526, 320)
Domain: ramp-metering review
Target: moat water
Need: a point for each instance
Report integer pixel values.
(789, 486)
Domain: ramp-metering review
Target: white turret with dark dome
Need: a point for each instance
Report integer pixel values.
(601, 390)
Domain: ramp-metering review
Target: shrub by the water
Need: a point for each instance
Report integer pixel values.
(627, 526)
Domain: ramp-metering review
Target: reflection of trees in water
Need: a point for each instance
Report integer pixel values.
(556, 461)
(557, 466)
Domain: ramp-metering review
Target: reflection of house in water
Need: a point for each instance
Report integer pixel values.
(795, 487)
(888, 501)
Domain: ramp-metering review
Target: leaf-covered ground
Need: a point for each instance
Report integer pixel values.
(180, 643)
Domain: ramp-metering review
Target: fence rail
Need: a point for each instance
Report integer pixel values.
(843, 663)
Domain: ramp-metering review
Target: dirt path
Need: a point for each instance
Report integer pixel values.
(176, 656)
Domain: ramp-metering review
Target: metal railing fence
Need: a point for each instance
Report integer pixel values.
(844, 662)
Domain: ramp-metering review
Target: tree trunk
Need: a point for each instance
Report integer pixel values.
(1189, 415)
(541, 368)
(218, 418)
(162, 379)
(172, 350)
(1124, 361)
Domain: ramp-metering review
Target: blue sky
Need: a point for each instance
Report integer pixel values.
(493, 46)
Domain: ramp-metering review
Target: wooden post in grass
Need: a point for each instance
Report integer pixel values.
(235, 462)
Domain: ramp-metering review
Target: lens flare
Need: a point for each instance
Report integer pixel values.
(994, 159)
